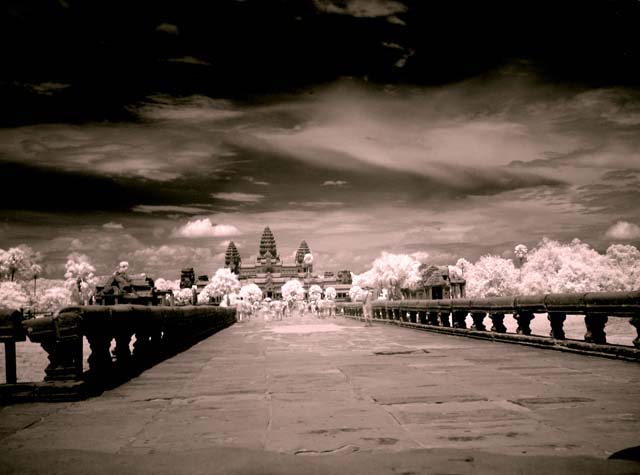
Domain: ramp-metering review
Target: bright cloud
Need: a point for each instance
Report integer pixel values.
(361, 8)
(623, 230)
(200, 228)
(167, 28)
(239, 197)
(112, 225)
(169, 209)
(334, 183)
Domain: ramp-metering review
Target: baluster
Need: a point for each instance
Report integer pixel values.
(635, 321)
(460, 319)
(524, 321)
(432, 318)
(444, 319)
(121, 352)
(556, 320)
(478, 318)
(595, 324)
(100, 358)
(497, 322)
(422, 317)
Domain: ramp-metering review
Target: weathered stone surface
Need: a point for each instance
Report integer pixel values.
(297, 396)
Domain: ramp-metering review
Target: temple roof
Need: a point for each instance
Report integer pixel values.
(268, 243)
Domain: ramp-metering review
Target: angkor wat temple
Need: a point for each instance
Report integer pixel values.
(270, 273)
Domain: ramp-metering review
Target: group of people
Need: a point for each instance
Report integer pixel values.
(277, 309)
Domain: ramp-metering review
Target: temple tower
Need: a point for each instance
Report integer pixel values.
(232, 258)
(302, 250)
(268, 245)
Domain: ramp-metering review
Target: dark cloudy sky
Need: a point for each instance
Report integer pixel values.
(157, 131)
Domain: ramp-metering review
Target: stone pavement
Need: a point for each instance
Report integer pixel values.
(306, 395)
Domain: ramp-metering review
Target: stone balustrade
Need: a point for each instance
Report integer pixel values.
(124, 340)
(488, 314)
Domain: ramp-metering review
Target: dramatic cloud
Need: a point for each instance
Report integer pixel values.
(167, 28)
(201, 228)
(623, 230)
(46, 88)
(239, 197)
(334, 183)
(169, 209)
(166, 260)
(112, 225)
(361, 8)
(189, 60)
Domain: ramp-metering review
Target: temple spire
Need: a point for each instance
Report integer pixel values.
(268, 244)
(302, 250)
(232, 258)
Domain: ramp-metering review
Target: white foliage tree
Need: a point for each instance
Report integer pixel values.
(330, 293)
(315, 292)
(396, 272)
(183, 296)
(16, 262)
(625, 259)
(491, 276)
(292, 290)
(356, 294)
(223, 282)
(13, 296)
(54, 298)
(164, 284)
(80, 277)
(574, 267)
(251, 293)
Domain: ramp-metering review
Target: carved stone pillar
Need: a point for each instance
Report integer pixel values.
(100, 357)
(595, 324)
(497, 322)
(61, 338)
(432, 318)
(121, 352)
(556, 320)
(524, 322)
(444, 319)
(422, 317)
(65, 359)
(460, 319)
(635, 321)
(478, 318)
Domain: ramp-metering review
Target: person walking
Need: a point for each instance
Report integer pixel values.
(367, 309)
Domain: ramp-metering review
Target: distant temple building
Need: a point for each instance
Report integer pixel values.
(439, 283)
(270, 273)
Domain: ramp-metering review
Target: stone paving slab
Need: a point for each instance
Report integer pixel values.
(304, 395)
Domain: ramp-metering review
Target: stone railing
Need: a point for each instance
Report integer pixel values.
(449, 316)
(124, 340)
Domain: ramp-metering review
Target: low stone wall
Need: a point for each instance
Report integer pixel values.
(143, 336)
(449, 316)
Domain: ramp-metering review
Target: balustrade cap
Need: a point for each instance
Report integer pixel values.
(532, 303)
(565, 302)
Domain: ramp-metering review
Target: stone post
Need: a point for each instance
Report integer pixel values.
(556, 320)
(444, 319)
(595, 324)
(478, 324)
(432, 318)
(524, 321)
(497, 320)
(635, 321)
(459, 319)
